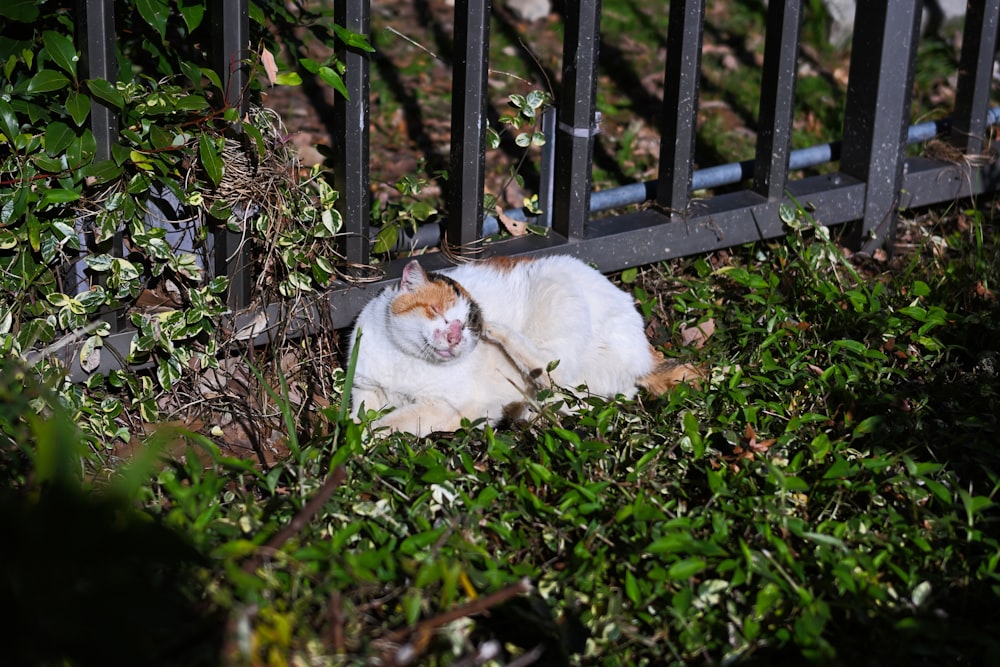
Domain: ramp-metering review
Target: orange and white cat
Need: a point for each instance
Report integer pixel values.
(476, 341)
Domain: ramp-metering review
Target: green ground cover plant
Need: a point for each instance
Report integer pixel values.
(828, 495)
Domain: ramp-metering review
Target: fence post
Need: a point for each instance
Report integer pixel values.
(350, 121)
(777, 98)
(975, 74)
(680, 105)
(547, 167)
(577, 119)
(96, 25)
(877, 112)
(467, 167)
(230, 49)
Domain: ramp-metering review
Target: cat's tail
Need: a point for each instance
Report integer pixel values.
(668, 373)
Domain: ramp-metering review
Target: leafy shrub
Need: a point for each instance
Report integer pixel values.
(87, 241)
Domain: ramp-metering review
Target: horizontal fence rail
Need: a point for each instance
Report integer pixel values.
(874, 178)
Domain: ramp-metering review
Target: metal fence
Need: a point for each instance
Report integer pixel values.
(874, 178)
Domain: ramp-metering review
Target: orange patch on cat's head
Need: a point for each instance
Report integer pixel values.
(433, 298)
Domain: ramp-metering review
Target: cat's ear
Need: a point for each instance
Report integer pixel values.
(414, 276)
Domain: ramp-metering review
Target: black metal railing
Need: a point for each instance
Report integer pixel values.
(873, 181)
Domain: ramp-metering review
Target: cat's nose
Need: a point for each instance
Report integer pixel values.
(454, 333)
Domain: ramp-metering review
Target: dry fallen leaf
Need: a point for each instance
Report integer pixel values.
(514, 227)
(270, 66)
(697, 335)
(252, 329)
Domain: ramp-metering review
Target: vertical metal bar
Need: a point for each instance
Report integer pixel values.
(230, 49)
(975, 73)
(577, 119)
(547, 169)
(99, 61)
(350, 122)
(877, 111)
(777, 98)
(97, 27)
(467, 167)
(680, 104)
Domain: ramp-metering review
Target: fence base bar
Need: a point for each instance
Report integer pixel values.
(611, 244)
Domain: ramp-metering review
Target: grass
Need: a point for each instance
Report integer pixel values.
(830, 495)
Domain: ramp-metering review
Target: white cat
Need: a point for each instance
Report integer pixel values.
(475, 341)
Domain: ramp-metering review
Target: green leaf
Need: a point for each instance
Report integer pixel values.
(257, 14)
(62, 51)
(168, 371)
(692, 432)
(99, 263)
(124, 271)
(8, 121)
(218, 285)
(848, 344)
(686, 568)
(59, 196)
(193, 13)
(78, 107)
(288, 79)
(422, 210)
(632, 588)
(255, 134)
(386, 239)
(939, 490)
(539, 472)
(536, 98)
(353, 39)
(567, 436)
(49, 164)
(682, 542)
(58, 137)
(106, 91)
(47, 81)
(210, 158)
(103, 171)
(333, 79)
(191, 103)
(823, 538)
(23, 11)
(155, 13)
(58, 299)
(916, 312)
(867, 426)
(90, 354)
(920, 288)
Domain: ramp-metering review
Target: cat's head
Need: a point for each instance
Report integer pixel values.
(432, 317)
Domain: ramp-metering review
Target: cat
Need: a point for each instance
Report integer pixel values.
(478, 340)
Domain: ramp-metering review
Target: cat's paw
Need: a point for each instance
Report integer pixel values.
(502, 335)
(491, 334)
(540, 379)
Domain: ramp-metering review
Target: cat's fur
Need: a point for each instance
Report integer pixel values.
(476, 340)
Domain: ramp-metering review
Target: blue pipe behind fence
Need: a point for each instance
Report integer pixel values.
(734, 172)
